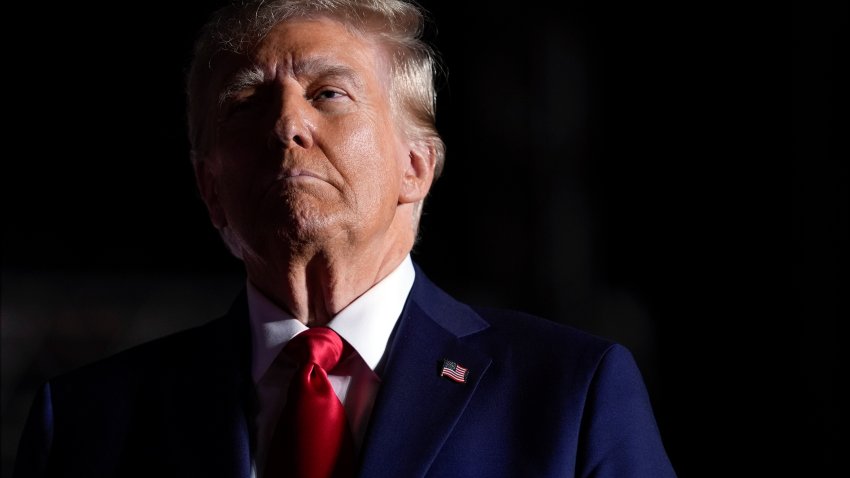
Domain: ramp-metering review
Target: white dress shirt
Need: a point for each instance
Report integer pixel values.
(366, 324)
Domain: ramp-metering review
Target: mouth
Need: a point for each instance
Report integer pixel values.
(298, 174)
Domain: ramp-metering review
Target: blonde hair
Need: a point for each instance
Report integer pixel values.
(397, 25)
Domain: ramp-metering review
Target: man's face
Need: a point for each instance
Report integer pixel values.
(305, 148)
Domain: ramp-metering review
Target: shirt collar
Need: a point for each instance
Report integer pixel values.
(366, 323)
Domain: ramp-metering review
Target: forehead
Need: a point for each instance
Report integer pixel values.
(306, 47)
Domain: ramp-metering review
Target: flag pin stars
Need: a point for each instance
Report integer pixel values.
(454, 371)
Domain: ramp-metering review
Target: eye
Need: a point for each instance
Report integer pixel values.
(247, 103)
(328, 94)
(242, 105)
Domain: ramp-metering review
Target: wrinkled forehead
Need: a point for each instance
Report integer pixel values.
(305, 47)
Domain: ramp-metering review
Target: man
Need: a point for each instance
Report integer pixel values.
(314, 146)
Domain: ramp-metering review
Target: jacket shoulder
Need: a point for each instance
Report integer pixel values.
(129, 375)
(526, 335)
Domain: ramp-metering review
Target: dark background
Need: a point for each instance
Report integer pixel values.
(673, 177)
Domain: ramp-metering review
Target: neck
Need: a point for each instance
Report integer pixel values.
(314, 285)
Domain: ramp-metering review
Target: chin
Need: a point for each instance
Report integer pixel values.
(307, 228)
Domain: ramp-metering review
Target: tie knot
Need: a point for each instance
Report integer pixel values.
(320, 345)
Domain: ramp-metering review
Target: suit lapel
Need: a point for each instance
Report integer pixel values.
(414, 412)
(416, 409)
(210, 404)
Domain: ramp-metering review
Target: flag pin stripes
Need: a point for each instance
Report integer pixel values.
(454, 371)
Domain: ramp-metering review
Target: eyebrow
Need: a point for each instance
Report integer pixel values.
(318, 67)
(323, 67)
(244, 78)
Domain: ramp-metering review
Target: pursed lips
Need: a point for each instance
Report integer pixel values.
(295, 174)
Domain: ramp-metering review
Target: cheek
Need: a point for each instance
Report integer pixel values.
(371, 153)
(243, 141)
(240, 180)
(243, 156)
(366, 161)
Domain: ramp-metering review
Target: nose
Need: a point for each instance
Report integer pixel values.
(292, 128)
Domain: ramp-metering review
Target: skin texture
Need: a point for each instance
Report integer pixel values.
(310, 173)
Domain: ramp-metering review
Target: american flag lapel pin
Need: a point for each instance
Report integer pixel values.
(454, 371)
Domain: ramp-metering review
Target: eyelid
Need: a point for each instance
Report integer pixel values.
(235, 102)
(238, 96)
(244, 80)
(328, 89)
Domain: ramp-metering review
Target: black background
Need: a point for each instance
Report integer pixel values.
(672, 177)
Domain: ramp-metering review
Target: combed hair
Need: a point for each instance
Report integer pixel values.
(398, 25)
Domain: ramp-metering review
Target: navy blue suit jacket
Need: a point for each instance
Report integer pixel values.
(541, 400)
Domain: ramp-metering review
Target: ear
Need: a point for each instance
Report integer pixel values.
(206, 178)
(418, 172)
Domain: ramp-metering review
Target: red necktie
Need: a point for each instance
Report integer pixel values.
(312, 438)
